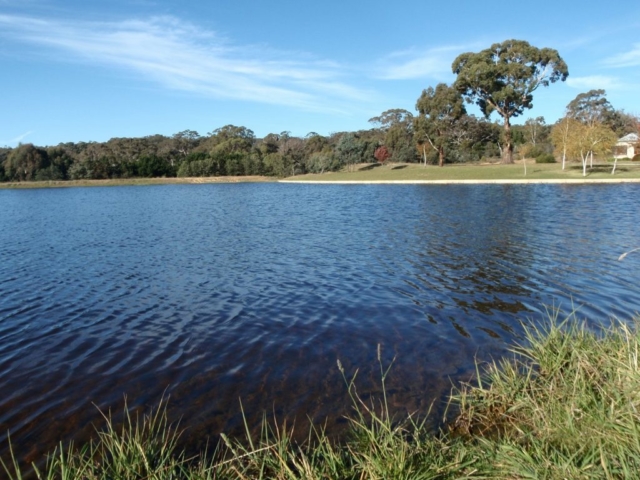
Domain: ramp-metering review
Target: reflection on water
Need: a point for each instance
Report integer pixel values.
(220, 292)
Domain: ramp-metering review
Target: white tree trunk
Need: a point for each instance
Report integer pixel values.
(585, 158)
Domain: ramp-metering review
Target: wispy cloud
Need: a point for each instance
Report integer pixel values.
(184, 57)
(594, 82)
(434, 63)
(627, 59)
(18, 139)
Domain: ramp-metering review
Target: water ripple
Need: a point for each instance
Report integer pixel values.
(218, 292)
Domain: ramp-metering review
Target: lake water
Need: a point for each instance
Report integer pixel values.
(215, 293)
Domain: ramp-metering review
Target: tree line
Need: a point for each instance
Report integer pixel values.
(500, 79)
(235, 150)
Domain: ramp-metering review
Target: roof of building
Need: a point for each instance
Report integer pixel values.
(631, 137)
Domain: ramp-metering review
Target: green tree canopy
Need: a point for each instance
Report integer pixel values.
(23, 162)
(349, 149)
(590, 107)
(392, 117)
(230, 139)
(186, 141)
(502, 78)
(440, 109)
(593, 107)
(396, 127)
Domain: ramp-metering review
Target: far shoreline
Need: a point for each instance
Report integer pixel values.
(520, 172)
(123, 182)
(396, 174)
(470, 182)
(255, 179)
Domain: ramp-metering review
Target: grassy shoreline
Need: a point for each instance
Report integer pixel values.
(566, 404)
(626, 172)
(476, 173)
(114, 182)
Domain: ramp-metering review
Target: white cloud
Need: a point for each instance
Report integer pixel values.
(18, 139)
(183, 57)
(627, 59)
(593, 82)
(432, 63)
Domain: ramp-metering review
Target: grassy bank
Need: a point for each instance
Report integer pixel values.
(625, 171)
(565, 405)
(135, 181)
(476, 172)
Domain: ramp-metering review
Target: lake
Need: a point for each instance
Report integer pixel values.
(212, 294)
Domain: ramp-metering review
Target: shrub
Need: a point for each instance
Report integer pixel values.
(636, 158)
(50, 173)
(546, 158)
(153, 166)
(536, 151)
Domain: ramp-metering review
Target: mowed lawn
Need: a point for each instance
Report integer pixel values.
(481, 172)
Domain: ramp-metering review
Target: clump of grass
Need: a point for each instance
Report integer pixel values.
(379, 448)
(142, 448)
(566, 405)
(384, 447)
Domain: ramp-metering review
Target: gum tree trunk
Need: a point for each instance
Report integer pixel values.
(508, 144)
(441, 156)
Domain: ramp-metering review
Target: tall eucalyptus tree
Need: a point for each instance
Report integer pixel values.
(440, 110)
(503, 77)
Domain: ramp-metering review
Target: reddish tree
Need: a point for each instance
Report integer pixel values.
(381, 154)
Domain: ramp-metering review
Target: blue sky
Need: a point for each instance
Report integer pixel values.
(92, 70)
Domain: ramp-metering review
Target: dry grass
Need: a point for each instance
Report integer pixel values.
(136, 181)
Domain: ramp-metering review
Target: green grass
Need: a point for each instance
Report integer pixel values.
(392, 172)
(492, 172)
(566, 407)
(566, 404)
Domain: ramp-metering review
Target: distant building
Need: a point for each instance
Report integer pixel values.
(627, 146)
